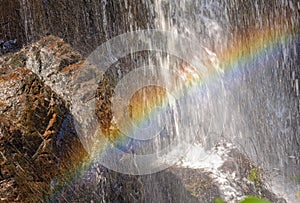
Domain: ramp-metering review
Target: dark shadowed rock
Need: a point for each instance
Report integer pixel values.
(8, 46)
(84, 24)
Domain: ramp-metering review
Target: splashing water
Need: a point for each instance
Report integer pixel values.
(248, 96)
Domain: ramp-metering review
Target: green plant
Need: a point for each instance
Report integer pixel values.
(254, 174)
(254, 200)
(249, 199)
(219, 200)
(297, 178)
(255, 177)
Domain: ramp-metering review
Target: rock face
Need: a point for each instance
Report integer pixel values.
(53, 60)
(31, 115)
(38, 143)
(37, 139)
(84, 24)
(88, 23)
(42, 158)
(235, 178)
(8, 46)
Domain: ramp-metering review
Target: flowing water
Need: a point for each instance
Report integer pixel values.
(254, 104)
(249, 98)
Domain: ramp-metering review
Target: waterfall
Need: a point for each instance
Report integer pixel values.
(178, 83)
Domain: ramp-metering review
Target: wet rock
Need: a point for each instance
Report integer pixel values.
(8, 46)
(178, 184)
(42, 158)
(8, 190)
(51, 59)
(38, 141)
(236, 178)
(247, 178)
(31, 115)
(84, 24)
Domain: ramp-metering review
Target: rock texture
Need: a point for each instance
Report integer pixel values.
(37, 140)
(8, 46)
(31, 116)
(42, 158)
(84, 24)
(88, 23)
(235, 179)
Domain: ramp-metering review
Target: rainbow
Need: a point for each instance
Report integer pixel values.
(241, 50)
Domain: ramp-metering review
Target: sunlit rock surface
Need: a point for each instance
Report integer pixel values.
(31, 116)
(41, 155)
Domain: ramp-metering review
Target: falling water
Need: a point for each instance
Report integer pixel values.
(256, 106)
(252, 103)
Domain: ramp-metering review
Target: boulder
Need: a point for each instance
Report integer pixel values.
(41, 156)
(31, 115)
